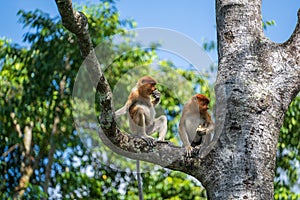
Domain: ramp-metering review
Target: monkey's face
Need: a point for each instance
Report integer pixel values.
(150, 88)
(202, 102)
(147, 89)
(146, 86)
(203, 106)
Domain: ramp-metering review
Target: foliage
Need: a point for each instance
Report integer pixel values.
(36, 90)
(36, 86)
(267, 23)
(288, 157)
(171, 185)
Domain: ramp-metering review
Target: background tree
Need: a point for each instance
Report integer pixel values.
(42, 155)
(287, 163)
(252, 95)
(31, 81)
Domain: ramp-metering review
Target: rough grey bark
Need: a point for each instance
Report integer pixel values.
(257, 79)
(260, 80)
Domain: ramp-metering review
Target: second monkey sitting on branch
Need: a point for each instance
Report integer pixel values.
(195, 122)
(140, 107)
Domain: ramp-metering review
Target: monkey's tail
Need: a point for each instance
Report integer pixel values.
(139, 180)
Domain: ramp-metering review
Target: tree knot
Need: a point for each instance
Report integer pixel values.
(228, 36)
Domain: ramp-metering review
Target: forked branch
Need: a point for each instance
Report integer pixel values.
(162, 154)
(293, 44)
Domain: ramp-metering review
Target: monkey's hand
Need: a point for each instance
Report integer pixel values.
(188, 151)
(201, 130)
(149, 140)
(156, 97)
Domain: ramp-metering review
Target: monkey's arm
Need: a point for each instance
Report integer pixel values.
(121, 111)
(156, 97)
(184, 136)
(206, 131)
(208, 127)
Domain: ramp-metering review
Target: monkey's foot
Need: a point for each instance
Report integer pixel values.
(149, 140)
(188, 151)
(197, 150)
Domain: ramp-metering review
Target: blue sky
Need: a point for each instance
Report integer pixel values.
(195, 18)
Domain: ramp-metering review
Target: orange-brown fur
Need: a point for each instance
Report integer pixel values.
(141, 110)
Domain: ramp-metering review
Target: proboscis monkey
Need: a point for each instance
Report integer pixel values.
(195, 122)
(140, 107)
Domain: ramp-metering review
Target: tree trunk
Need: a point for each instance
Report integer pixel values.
(257, 80)
(54, 132)
(26, 168)
(51, 152)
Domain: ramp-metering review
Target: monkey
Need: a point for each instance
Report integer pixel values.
(140, 108)
(195, 122)
(142, 122)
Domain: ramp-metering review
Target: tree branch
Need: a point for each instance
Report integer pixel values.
(290, 57)
(12, 148)
(121, 143)
(51, 154)
(26, 165)
(18, 129)
(16, 125)
(293, 44)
